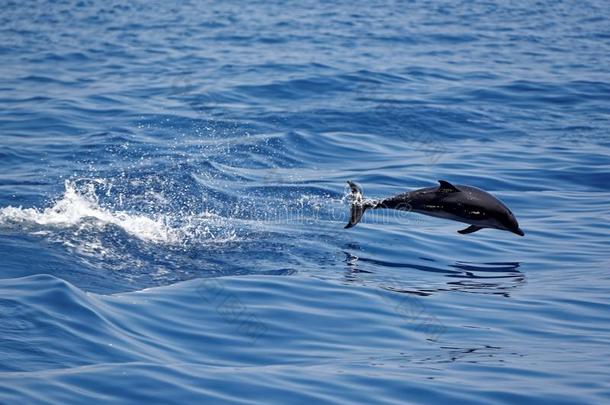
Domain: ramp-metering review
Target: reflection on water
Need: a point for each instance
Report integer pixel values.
(474, 355)
(499, 278)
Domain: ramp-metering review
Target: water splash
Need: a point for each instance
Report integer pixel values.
(79, 209)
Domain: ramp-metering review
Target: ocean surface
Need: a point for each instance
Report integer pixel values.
(173, 196)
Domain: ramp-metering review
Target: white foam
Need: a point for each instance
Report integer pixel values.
(76, 209)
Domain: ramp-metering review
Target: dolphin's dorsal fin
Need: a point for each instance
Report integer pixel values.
(447, 187)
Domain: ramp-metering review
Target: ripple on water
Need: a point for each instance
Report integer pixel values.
(197, 248)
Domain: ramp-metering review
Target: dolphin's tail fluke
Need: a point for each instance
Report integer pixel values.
(358, 204)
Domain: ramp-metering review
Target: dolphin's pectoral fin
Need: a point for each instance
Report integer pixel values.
(470, 229)
(447, 187)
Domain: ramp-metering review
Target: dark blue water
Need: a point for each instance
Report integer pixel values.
(172, 202)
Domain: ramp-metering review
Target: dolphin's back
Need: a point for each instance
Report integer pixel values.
(464, 203)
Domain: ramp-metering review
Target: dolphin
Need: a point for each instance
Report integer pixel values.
(460, 203)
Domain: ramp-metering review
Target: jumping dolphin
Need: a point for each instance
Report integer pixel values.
(459, 203)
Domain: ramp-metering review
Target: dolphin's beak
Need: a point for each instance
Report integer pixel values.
(519, 232)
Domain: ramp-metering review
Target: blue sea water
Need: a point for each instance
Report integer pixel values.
(172, 202)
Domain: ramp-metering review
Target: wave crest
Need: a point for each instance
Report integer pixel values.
(79, 209)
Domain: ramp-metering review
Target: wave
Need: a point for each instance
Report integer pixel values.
(82, 209)
(80, 221)
(190, 338)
